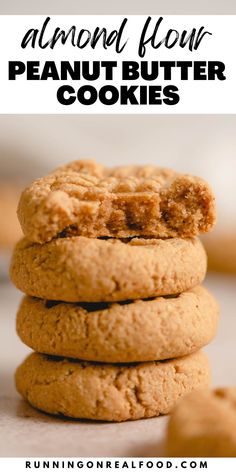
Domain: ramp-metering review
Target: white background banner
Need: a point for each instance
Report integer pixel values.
(117, 463)
(117, 64)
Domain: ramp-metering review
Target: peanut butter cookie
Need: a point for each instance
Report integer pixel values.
(86, 269)
(204, 425)
(85, 198)
(221, 251)
(149, 330)
(10, 230)
(109, 392)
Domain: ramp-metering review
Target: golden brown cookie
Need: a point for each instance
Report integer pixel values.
(86, 269)
(149, 330)
(203, 424)
(221, 251)
(85, 198)
(10, 230)
(109, 392)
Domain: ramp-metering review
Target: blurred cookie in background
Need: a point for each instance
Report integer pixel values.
(221, 250)
(16, 171)
(10, 230)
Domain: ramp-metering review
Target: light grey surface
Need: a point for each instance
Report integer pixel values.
(105, 7)
(26, 432)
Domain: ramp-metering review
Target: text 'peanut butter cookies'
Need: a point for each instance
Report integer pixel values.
(85, 198)
(204, 425)
(85, 269)
(109, 392)
(149, 330)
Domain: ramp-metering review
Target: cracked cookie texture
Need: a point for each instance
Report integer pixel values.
(85, 198)
(109, 392)
(203, 424)
(143, 330)
(81, 269)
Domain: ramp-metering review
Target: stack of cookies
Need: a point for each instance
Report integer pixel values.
(114, 308)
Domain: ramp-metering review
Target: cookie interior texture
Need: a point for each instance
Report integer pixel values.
(130, 331)
(203, 424)
(85, 198)
(109, 392)
(81, 269)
